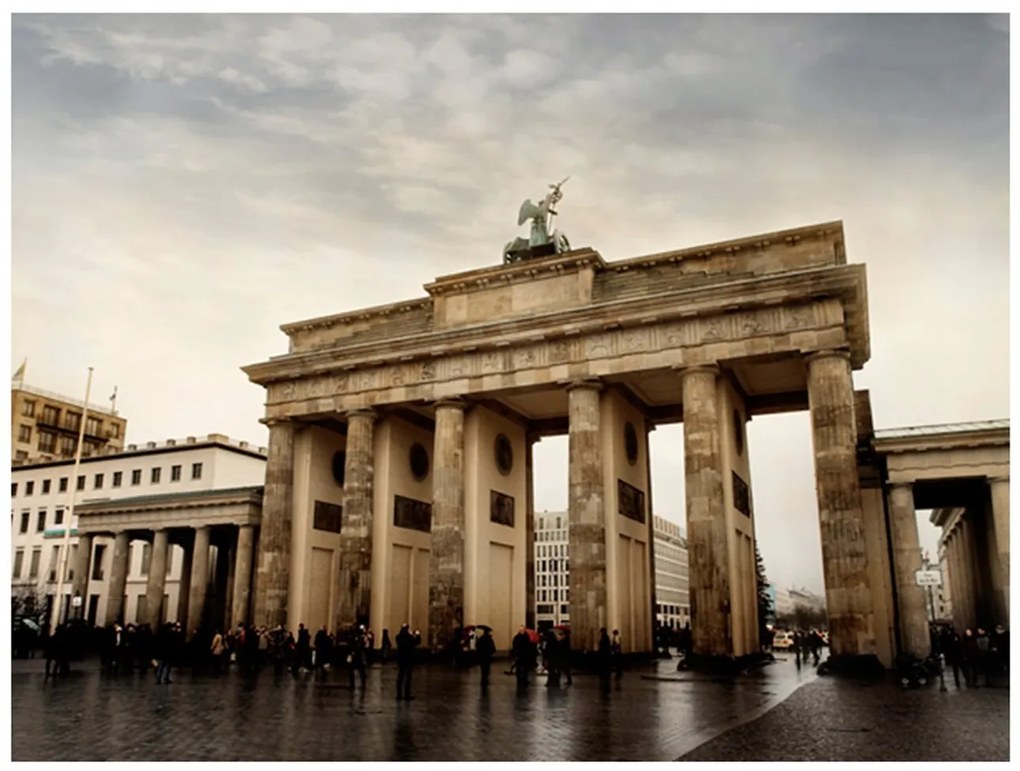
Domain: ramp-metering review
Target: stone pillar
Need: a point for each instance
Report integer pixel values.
(356, 531)
(844, 555)
(242, 574)
(906, 548)
(586, 515)
(967, 571)
(956, 576)
(529, 535)
(226, 557)
(275, 539)
(1000, 522)
(707, 539)
(199, 582)
(446, 558)
(184, 587)
(157, 578)
(118, 578)
(82, 563)
(652, 598)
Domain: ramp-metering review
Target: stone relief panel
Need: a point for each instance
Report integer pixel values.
(631, 501)
(411, 514)
(501, 508)
(327, 517)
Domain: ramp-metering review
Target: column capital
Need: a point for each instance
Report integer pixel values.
(592, 383)
(451, 401)
(901, 486)
(274, 422)
(692, 369)
(361, 412)
(828, 353)
(1000, 480)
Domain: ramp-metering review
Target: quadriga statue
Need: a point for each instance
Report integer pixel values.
(543, 241)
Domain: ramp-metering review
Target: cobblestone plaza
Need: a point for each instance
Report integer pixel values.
(780, 712)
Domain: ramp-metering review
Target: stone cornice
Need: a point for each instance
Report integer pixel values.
(526, 270)
(950, 439)
(846, 282)
(363, 314)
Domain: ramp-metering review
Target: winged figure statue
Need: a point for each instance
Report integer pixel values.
(542, 235)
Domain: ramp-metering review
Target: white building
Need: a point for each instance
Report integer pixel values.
(552, 569)
(41, 497)
(672, 591)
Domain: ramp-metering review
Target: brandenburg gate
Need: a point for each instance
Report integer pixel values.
(399, 478)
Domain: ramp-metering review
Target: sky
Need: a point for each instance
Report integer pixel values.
(182, 185)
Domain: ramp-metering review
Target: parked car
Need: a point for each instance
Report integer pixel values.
(782, 641)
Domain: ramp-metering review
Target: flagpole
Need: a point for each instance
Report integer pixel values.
(57, 601)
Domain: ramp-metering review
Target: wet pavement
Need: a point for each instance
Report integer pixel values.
(652, 713)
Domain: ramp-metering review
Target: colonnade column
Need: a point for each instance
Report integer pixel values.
(157, 578)
(586, 515)
(906, 548)
(446, 558)
(118, 578)
(1000, 521)
(80, 585)
(529, 533)
(242, 574)
(274, 558)
(184, 587)
(956, 580)
(967, 571)
(834, 434)
(199, 583)
(707, 551)
(356, 530)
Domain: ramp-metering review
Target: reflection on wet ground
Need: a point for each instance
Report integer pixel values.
(652, 713)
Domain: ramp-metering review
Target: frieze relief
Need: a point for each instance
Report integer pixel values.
(535, 355)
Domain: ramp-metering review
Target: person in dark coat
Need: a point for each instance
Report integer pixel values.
(565, 654)
(552, 659)
(950, 647)
(971, 655)
(163, 653)
(386, 646)
(302, 652)
(406, 643)
(525, 655)
(485, 647)
(1000, 649)
(323, 648)
(604, 658)
(357, 656)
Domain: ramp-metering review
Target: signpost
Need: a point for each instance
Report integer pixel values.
(929, 577)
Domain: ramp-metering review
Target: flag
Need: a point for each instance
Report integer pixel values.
(19, 374)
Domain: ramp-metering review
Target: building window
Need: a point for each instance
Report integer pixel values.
(24, 433)
(146, 558)
(155, 475)
(54, 563)
(136, 476)
(98, 482)
(14, 489)
(196, 470)
(72, 421)
(29, 487)
(115, 430)
(71, 559)
(33, 566)
(93, 426)
(25, 515)
(47, 441)
(50, 415)
(46, 487)
(21, 455)
(63, 484)
(97, 563)
(118, 476)
(19, 560)
(58, 517)
(28, 408)
(40, 522)
(81, 482)
(175, 473)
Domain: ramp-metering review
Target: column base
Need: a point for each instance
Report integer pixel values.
(852, 665)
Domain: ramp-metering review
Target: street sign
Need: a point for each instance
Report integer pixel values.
(76, 602)
(929, 577)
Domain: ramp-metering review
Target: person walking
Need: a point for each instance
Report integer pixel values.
(565, 655)
(984, 655)
(485, 647)
(603, 658)
(406, 643)
(302, 652)
(386, 646)
(164, 653)
(552, 656)
(217, 650)
(971, 653)
(357, 656)
(617, 648)
(323, 649)
(525, 653)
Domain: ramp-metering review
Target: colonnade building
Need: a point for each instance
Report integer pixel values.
(160, 531)
(398, 485)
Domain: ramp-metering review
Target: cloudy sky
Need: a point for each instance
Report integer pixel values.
(182, 185)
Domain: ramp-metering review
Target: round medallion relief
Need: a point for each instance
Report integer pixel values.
(630, 444)
(504, 454)
(419, 459)
(339, 461)
(738, 431)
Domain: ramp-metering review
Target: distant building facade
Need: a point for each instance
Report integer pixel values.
(178, 479)
(45, 426)
(672, 592)
(552, 569)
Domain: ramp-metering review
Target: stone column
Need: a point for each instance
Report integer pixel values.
(226, 557)
(967, 571)
(906, 549)
(1000, 522)
(355, 593)
(586, 515)
(529, 534)
(275, 539)
(199, 583)
(118, 578)
(956, 576)
(242, 574)
(446, 558)
(707, 539)
(157, 578)
(82, 563)
(844, 555)
(184, 587)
